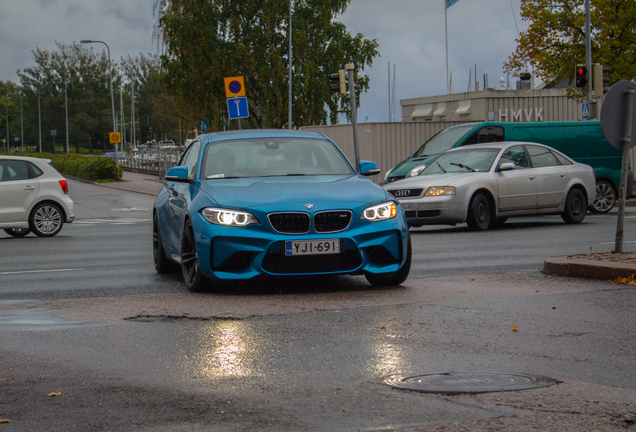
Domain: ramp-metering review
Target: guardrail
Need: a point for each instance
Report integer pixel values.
(151, 163)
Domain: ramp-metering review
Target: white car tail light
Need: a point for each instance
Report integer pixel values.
(64, 186)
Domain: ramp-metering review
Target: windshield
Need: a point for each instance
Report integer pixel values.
(474, 160)
(266, 157)
(443, 141)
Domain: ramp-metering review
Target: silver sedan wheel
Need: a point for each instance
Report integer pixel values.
(46, 220)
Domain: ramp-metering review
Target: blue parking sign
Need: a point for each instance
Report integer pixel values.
(237, 107)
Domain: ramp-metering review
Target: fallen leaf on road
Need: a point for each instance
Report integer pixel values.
(383, 327)
(514, 329)
(54, 394)
(5, 421)
(627, 281)
(6, 379)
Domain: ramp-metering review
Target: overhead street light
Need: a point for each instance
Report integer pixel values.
(21, 122)
(112, 99)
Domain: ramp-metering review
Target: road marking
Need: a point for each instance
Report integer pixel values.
(117, 221)
(615, 242)
(40, 271)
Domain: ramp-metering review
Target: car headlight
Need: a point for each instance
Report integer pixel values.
(380, 212)
(226, 217)
(440, 190)
(417, 170)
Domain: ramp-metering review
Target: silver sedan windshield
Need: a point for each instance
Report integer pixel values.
(474, 160)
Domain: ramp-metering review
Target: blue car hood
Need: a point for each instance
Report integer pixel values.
(292, 193)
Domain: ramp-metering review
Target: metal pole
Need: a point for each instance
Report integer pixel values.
(446, 28)
(626, 141)
(66, 106)
(21, 119)
(354, 113)
(40, 117)
(290, 65)
(6, 105)
(588, 52)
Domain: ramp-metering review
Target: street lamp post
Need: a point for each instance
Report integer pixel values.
(66, 108)
(112, 99)
(6, 105)
(21, 118)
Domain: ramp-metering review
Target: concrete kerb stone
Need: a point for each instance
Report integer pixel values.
(608, 265)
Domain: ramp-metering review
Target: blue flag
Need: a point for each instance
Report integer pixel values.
(449, 3)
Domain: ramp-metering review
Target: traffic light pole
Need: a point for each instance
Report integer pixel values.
(588, 58)
(354, 113)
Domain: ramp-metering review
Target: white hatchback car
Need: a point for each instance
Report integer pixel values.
(33, 197)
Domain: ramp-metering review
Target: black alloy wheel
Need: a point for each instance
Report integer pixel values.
(192, 276)
(46, 219)
(17, 232)
(478, 213)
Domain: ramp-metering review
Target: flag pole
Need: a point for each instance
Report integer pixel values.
(446, 31)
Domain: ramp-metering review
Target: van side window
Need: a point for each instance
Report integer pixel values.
(541, 156)
(516, 155)
(485, 135)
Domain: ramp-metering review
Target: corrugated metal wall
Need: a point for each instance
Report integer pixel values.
(384, 143)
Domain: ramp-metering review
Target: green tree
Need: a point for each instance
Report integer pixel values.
(158, 113)
(207, 41)
(554, 43)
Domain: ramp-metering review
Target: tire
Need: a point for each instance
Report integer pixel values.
(605, 197)
(497, 222)
(17, 232)
(575, 207)
(192, 276)
(46, 219)
(478, 213)
(395, 278)
(162, 263)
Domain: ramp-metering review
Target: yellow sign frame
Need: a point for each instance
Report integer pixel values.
(229, 93)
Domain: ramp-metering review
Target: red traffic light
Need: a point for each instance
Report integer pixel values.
(580, 76)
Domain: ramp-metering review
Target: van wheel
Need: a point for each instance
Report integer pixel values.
(575, 207)
(605, 197)
(478, 213)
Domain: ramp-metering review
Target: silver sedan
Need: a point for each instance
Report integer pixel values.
(485, 184)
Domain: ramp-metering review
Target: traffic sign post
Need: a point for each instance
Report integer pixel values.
(115, 138)
(203, 125)
(585, 110)
(234, 87)
(236, 99)
(618, 119)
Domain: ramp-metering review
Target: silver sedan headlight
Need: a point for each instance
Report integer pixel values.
(417, 170)
(440, 190)
(380, 212)
(227, 217)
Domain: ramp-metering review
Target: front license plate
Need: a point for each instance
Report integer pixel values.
(312, 247)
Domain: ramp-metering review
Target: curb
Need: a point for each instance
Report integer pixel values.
(581, 266)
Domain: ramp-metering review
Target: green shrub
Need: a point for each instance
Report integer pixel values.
(84, 167)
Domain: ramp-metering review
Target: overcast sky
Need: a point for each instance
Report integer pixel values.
(410, 34)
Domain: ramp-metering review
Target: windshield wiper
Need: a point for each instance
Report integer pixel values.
(463, 166)
(440, 167)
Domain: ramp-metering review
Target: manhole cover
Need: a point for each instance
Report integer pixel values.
(467, 382)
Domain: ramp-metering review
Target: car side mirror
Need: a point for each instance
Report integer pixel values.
(508, 166)
(179, 174)
(369, 168)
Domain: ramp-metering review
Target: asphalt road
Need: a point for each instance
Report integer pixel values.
(84, 314)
